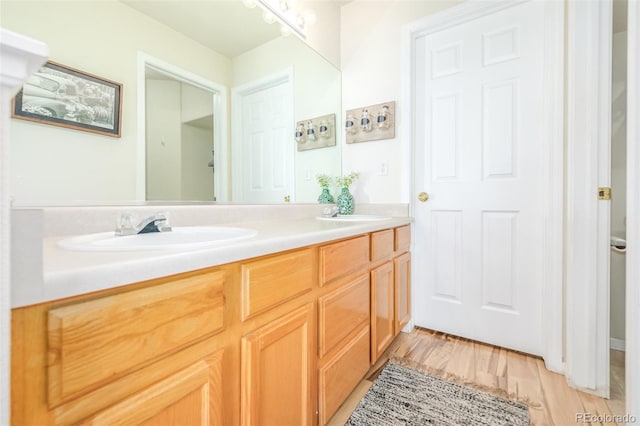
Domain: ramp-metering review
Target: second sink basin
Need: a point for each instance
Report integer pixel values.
(354, 218)
(181, 237)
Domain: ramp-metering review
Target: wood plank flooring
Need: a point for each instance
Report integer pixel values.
(503, 372)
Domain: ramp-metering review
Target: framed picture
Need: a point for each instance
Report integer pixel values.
(65, 97)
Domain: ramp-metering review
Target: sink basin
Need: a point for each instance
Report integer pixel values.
(186, 237)
(354, 218)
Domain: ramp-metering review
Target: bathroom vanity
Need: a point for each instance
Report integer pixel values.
(276, 337)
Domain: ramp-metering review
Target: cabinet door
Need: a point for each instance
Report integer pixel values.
(192, 396)
(276, 375)
(382, 309)
(402, 267)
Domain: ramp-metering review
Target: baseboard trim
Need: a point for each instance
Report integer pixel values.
(617, 344)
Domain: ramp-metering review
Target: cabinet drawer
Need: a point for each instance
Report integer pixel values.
(93, 342)
(342, 311)
(344, 257)
(274, 280)
(382, 244)
(403, 238)
(342, 373)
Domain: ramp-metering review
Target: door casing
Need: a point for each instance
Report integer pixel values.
(588, 219)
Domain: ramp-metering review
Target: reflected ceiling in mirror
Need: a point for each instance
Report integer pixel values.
(105, 38)
(224, 26)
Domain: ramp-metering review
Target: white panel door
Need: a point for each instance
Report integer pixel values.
(479, 113)
(267, 120)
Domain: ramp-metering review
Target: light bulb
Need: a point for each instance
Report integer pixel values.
(268, 17)
(299, 21)
(309, 17)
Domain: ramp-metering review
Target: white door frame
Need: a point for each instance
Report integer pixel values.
(588, 219)
(632, 344)
(220, 140)
(552, 291)
(237, 95)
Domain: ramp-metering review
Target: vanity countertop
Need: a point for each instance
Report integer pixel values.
(66, 273)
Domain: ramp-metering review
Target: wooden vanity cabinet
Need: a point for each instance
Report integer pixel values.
(278, 339)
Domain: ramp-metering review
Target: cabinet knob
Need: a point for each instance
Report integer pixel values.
(423, 197)
(287, 198)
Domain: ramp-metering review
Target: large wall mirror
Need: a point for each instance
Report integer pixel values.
(188, 61)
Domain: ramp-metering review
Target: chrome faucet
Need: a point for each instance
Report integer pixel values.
(330, 211)
(156, 223)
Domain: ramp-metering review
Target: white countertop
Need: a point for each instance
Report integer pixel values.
(68, 273)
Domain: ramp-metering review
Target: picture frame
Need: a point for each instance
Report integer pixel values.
(63, 96)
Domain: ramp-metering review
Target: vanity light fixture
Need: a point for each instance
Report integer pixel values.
(286, 12)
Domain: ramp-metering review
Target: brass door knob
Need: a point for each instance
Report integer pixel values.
(423, 197)
(287, 199)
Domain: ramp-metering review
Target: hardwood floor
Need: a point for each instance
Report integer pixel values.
(500, 371)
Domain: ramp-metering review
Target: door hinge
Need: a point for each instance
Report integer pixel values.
(604, 193)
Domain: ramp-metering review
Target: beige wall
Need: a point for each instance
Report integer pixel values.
(163, 145)
(52, 164)
(197, 177)
(371, 39)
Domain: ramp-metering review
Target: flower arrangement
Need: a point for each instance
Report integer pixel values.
(346, 181)
(324, 180)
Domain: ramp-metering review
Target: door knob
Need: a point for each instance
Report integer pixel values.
(287, 199)
(423, 197)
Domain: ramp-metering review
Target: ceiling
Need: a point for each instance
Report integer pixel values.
(226, 26)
